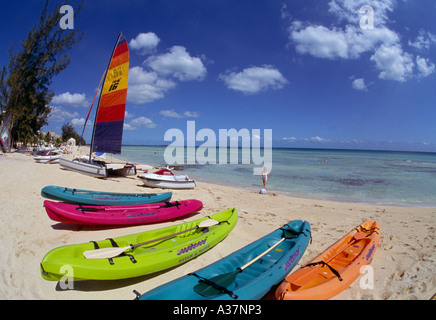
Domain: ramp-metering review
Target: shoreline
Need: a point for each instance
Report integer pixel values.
(298, 195)
(314, 197)
(404, 264)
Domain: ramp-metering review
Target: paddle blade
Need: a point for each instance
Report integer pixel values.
(207, 223)
(216, 285)
(105, 253)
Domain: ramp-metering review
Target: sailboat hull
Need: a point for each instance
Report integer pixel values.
(167, 181)
(120, 170)
(92, 169)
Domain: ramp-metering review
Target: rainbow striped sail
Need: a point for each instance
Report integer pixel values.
(108, 127)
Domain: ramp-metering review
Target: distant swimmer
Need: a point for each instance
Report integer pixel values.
(265, 176)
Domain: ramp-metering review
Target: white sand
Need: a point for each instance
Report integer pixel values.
(404, 264)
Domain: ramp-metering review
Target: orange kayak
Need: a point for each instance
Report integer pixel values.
(335, 269)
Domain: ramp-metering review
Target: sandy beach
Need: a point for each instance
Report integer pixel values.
(404, 264)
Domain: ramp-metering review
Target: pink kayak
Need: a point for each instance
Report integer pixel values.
(120, 215)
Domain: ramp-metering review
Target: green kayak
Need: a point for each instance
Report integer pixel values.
(164, 248)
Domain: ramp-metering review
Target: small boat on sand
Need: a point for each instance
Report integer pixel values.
(334, 269)
(246, 274)
(140, 253)
(101, 198)
(166, 179)
(120, 215)
(92, 168)
(48, 157)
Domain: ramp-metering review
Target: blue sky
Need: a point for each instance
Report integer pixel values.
(308, 70)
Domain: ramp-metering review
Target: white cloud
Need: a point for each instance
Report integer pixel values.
(393, 63)
(290, 139)
(68, 99)
(318, 139)
(424, 40)
(160, 73)
(58, 114)
(254, 79)
(190, 114)
(173, 114)
(347, 43)
(79, 122)
(146, 86)
(361, 41)
(178, 64)
(359, 84)
(320, 42)
(351, 42)
(170, 114)
(140, 122)
(348, 10)
(144, 43)
(425, 67)
(128, 127)
(128, 115)
(284, 12)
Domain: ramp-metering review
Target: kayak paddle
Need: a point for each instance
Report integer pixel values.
(215, 285)
(106, 253)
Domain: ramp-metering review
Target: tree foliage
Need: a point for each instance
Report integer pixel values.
(26, 91)
(68, 131)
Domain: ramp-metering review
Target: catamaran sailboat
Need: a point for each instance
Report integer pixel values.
(109, 120)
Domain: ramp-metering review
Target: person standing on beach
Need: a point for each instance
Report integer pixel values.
(264, 176)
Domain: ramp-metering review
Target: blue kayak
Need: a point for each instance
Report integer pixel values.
(247, 274)
(102, 198)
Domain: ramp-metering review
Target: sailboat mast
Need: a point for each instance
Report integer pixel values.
(99, 98)
(92, 104)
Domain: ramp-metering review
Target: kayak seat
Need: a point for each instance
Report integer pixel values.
(353, 251)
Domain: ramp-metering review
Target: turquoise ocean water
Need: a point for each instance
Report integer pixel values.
(377, 177)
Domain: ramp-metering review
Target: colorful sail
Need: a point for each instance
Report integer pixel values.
(108, 130)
